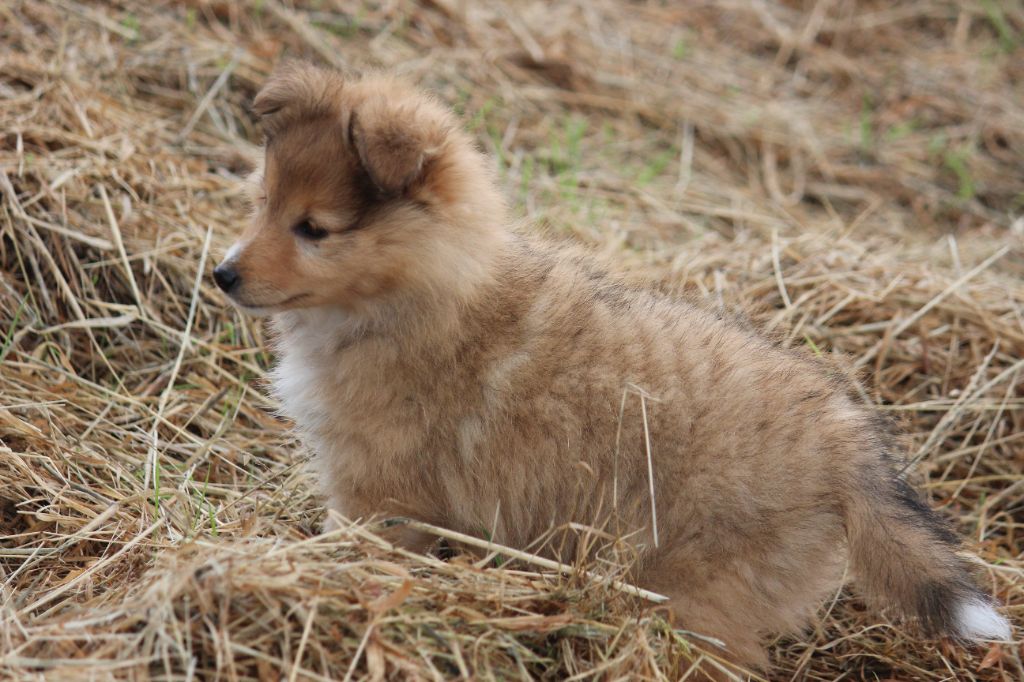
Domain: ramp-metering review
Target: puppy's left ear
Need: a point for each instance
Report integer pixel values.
(397, 141)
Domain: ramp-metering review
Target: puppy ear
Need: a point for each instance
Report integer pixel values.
(396, 141)
(296, 90)
(279, 90)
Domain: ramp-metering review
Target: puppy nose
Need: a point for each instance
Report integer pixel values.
(226, 277)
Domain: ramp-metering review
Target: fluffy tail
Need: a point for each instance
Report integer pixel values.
(903, 554)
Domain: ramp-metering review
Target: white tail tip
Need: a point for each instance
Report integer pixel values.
(977, 620)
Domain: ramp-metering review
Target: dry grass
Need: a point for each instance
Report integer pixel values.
(853, 168)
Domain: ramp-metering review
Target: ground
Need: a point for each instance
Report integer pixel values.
(851, 172)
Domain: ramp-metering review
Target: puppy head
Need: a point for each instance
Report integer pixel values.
(365, 191)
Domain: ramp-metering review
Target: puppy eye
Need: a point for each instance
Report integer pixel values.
(308, 230)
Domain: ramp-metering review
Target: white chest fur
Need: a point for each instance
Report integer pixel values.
(307, 375)
(353, 408)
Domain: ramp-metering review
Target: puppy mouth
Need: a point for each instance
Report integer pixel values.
(261, 305)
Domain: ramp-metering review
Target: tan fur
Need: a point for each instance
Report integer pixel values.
(447, 367)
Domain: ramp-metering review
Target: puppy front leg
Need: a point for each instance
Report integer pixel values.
(398, 533)
(388, 526)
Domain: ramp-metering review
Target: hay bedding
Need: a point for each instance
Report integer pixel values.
(853, 169)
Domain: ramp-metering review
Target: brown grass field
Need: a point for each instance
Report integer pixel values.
(853, 172)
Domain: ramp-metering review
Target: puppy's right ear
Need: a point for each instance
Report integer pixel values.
(296, 90)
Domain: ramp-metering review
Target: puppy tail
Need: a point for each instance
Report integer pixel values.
(903, 554)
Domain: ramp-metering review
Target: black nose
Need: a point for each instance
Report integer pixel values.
(226, 277)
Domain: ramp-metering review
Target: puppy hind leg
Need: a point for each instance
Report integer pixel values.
(743, 651)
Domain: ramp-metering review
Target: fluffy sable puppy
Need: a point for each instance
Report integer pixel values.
(446, 367)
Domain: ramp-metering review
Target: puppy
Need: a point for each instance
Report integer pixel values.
(446, 367)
